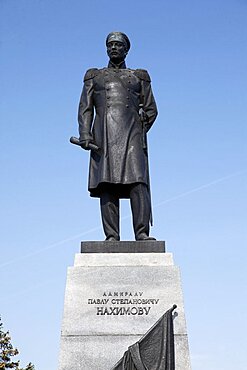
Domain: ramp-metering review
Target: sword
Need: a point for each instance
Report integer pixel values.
(145, 148)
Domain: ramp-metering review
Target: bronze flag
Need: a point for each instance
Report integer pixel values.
(155, 350)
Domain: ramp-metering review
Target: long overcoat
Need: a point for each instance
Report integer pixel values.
(109, 115)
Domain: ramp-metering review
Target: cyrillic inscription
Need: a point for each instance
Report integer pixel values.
(122, 303)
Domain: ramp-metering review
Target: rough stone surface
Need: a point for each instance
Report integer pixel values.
(123, 259)
(101, 319)
(105, 347)
(143, 246)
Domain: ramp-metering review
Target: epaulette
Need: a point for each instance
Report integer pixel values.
(143, 74)
(91, 73)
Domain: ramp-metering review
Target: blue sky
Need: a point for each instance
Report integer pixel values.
(196, 54)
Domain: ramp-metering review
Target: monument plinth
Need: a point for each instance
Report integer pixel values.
(112, 299)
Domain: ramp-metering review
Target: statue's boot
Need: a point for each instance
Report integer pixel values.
(144, 236)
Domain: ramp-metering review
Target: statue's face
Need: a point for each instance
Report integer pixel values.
(116, 51)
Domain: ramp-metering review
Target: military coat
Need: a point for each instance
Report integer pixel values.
(109, 115)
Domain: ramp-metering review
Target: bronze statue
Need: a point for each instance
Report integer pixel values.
(116, 110)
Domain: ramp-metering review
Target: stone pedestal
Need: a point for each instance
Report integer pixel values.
(113, 296)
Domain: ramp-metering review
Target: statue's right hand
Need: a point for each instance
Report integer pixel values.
(85, 144)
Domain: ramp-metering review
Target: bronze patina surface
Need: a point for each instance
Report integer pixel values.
(116, 110)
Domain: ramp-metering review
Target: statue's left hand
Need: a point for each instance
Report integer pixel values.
(143, 116)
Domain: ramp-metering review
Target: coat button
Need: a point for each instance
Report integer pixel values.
(127, 106)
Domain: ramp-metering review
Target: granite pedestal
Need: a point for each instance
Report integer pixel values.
(114, 293)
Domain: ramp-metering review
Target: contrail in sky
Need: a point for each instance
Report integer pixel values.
(201, 187)
(51, 246)
(161, 203)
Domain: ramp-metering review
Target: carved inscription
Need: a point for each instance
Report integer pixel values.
(122, 303)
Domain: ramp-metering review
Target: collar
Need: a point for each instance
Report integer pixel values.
(121, 65)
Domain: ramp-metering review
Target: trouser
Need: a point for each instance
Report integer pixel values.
(140, 207)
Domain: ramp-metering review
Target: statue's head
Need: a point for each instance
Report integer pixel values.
(118, 45)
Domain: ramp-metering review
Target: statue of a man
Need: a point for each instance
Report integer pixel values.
(116, 110)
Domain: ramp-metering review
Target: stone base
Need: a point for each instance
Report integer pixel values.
(111, 301)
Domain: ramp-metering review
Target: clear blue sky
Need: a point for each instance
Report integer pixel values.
(196, 53)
